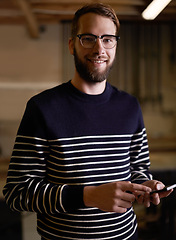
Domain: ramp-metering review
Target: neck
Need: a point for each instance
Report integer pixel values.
(93, 88)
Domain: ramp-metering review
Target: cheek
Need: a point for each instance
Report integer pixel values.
(82, 54)
(112, 56)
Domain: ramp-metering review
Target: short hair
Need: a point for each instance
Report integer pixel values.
(97, 8)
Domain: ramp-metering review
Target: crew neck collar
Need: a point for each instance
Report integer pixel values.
(98, 98)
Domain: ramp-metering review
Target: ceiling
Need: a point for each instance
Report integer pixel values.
(34, 13)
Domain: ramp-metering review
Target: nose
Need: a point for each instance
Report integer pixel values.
(98, 47)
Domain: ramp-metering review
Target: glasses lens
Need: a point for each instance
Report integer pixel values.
(109, 41)
(88, 41)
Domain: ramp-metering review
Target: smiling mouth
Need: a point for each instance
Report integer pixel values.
(98, 61)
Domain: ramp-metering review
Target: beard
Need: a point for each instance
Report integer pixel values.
(91, 76)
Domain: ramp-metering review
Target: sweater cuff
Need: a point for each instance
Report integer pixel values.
(72, 197)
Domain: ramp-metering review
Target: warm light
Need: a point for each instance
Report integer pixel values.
(154, 9)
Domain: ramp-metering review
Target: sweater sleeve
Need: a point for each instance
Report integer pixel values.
(139, 153)
(27, 188)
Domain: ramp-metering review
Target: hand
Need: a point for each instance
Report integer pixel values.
(147, 198)
(113, 197)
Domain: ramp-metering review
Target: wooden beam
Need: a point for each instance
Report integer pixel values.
(30, 18)
(134, 2)
(36, 12)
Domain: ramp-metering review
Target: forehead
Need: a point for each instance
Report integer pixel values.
(96, 24)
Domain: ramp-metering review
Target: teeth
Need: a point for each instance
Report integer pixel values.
(98, 61)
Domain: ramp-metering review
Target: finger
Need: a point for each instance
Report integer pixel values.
(165, 194)
(147, 200)
(139, 193)
(129, 197)
(124, 204)
(118, 209)
(140, 199)
(119, 206)
(159, 186)
(139, 187)
(155, 199)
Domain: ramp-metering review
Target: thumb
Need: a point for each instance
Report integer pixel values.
(159, 186)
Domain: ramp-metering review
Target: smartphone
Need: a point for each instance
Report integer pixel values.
(167, 188)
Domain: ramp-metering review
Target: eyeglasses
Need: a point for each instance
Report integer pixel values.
(89, 40)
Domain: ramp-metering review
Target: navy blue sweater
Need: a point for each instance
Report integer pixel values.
(67, 140)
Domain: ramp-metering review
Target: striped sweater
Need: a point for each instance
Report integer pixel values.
(67, 140)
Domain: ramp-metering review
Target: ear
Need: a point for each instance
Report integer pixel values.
(71, 46)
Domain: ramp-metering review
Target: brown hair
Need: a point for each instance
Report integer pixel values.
(97, 8)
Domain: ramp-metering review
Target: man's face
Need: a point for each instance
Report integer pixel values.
(93, 65)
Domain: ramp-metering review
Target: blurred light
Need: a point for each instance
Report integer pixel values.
(154, 9)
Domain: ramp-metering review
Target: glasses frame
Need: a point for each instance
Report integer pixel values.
(100, 37)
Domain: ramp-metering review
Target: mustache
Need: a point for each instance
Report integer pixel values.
(99, 57)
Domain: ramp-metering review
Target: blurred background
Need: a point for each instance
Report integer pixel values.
(34, 56)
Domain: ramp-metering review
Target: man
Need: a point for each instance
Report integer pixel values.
(81, 156)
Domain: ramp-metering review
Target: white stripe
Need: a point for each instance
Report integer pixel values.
(88, 170)
(50, 201)
(35, 190)
(106, 215)
(24, 157)
(90, 176)
(24, 171)
(29, 137)
(91, 137)
(30, 144)
(91, 150)
(26, 175)
(58, 198)
(91, 163)
(61, 198)
(28, 164)
(91, 143)
(98, 182)
(90, 156)
(44, 193)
